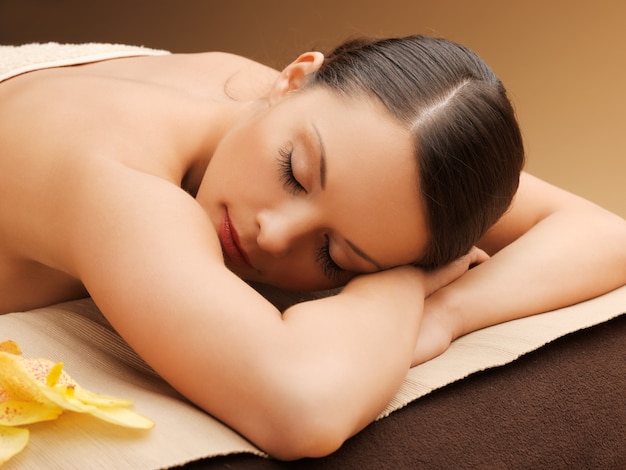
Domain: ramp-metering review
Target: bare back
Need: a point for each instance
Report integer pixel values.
(155, 115)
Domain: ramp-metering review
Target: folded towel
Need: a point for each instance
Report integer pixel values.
(15, 60)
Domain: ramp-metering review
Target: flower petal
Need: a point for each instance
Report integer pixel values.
(19, 413)
(122, 417)
(12, 442)
(18, 382)
(11, 347)
(98, 399)
(65, 397)
(43, 382)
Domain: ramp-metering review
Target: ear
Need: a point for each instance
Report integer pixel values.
(294, 75)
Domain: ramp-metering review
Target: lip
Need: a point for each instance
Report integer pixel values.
(231, 246)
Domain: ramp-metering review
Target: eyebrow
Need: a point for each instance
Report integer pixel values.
(354, 248)
(320, 141)
(364, 255)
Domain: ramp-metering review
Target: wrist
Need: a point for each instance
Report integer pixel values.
(445, 305)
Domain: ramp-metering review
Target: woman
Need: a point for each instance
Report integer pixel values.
(156, 184)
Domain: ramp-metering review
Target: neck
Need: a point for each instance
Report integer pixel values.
(214, 126)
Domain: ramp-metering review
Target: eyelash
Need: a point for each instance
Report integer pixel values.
(331, 270)
(291, 184)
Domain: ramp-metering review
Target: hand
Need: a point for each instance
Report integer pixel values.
(449, 273)
(435, 331)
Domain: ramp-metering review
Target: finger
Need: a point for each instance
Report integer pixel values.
(476, 256)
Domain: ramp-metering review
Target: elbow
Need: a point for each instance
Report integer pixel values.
(314, 407)
(614, 231)
(305, 440)
(621, 248)
(303, 427)
(606, 244)
(611, 249)
(310, 413)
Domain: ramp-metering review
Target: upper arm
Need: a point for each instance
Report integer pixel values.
(151, 260)
(534, 201)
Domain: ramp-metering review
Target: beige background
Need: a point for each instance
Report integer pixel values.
(564, 62)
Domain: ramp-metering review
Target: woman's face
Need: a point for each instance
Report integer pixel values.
(314, 189)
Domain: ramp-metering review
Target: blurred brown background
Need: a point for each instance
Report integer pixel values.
(564, 62)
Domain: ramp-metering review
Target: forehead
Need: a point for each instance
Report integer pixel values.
(372, 193)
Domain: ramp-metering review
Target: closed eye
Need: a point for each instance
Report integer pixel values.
(330, 269)
(285, 169)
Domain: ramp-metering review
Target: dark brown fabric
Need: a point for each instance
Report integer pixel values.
(560, 407)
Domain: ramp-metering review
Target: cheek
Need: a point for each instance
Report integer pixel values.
(231, 173)
(246, 162)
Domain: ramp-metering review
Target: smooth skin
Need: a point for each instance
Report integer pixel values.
(116, 180)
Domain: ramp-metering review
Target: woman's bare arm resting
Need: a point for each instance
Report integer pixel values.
(552, 249)
(297, 384)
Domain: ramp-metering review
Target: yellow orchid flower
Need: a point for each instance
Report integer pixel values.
(34, 390)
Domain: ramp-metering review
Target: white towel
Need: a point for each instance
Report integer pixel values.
(15, 60)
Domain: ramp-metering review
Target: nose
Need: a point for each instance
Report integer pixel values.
(281, 230)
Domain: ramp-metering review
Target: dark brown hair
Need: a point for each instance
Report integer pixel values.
(468, 144)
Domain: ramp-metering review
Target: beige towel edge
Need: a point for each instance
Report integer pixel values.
(21, 59)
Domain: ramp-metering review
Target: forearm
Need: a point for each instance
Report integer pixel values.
(355, 348)
(570, 256)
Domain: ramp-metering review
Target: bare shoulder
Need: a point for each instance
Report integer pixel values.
(59, 128)
(535, 200)
(240, 77)
(201, 74)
